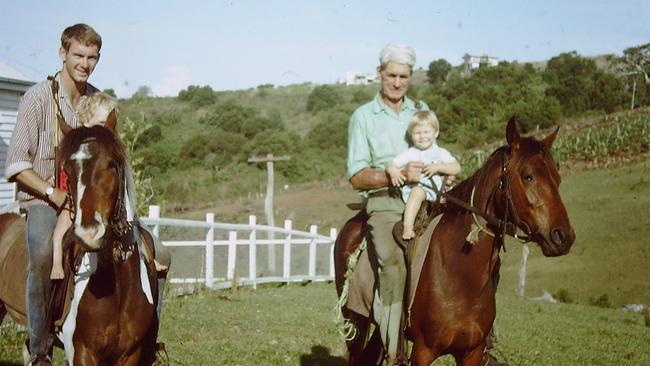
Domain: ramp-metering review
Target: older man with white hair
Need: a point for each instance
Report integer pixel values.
(377, 132)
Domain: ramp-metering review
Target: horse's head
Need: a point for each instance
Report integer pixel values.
(534, 183)
(93, 159)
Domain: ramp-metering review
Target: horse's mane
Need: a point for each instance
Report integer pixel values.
(78, 136)
(528, 147)
(464, 189)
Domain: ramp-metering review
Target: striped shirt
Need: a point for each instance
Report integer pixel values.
(36, 134)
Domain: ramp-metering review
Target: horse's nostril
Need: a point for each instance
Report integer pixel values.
(558, 236)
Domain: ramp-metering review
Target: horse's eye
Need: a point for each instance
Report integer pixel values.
(528, 177)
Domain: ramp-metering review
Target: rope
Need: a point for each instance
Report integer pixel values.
(345, 326)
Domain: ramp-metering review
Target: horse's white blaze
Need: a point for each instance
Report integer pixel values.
(86, 269)
(91, 234)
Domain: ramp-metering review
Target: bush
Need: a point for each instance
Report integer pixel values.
(198, 96)
(602, 301)
(323, 97)
(562, 295)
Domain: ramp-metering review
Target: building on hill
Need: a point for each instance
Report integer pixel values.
(357, 78)
(472, 62)
(13, 84)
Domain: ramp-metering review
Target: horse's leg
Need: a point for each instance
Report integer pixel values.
(472, 357)
(132, 360)
(421, 355)
(84, 356)
(361, 352)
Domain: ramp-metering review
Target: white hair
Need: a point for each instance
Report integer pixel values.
(398, 53)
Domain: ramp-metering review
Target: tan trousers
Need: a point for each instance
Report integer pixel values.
(387, 305)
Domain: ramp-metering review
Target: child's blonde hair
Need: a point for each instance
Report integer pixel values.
(95, 104)
(424, 118)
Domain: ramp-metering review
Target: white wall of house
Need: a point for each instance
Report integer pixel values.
(13, 85)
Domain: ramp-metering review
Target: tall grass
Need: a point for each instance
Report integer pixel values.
(623, 135)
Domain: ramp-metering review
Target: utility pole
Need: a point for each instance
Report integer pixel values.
(268, 201)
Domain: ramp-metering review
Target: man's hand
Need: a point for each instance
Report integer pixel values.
(413, 171)
(397, 179)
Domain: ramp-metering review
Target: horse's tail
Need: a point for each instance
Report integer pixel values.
(346, 327)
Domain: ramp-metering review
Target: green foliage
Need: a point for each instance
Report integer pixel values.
(274, 142)
(579, 86)
(618, 136)
(131, 133)
(601, 301)
(198, 96)
(229, 116)
(438, 71)
(217, 148)
(323, 97)
(143, 91)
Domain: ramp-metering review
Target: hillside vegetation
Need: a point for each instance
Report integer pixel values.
(195, 148)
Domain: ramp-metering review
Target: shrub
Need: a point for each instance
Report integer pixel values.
(323, 97)
(198, 95)
(602, 301)
(562, 295)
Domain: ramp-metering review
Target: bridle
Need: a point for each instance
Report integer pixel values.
(119, 229)
(509, 223)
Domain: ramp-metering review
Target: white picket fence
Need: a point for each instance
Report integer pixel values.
(285, 237)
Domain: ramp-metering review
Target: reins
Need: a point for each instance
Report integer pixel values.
(505, 225)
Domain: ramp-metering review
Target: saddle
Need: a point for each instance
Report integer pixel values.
(362, 280)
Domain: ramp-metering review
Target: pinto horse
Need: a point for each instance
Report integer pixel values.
(453, 309)
(112, 317)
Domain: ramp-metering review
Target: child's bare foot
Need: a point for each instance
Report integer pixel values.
(57, 273)
(159, 267)
(408, 233)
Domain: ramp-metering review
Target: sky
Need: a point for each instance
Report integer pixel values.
(232, 44)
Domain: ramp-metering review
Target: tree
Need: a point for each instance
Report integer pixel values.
(635, 64)
(323, 97)
(198, 95)
(438, 71)
(143, 92)
(570, 81)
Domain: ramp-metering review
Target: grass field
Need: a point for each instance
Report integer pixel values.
(291, 325)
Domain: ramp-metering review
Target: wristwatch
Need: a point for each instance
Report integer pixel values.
(49, 191)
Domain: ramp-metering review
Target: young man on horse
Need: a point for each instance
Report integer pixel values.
(30, 163)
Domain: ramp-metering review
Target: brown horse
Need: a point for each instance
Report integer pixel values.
(112, 318)
(453, 308)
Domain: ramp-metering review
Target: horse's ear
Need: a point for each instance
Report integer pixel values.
(512, 133)
(548, 141)
(111, 121)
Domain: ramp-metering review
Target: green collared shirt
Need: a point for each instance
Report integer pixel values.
(376, 134)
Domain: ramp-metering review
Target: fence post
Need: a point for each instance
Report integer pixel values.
(286, 261)
(232, 255)
(154, 213)
(313, 230)
(333, 237)
(209, 251)
(522, 270)
(252, 251)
